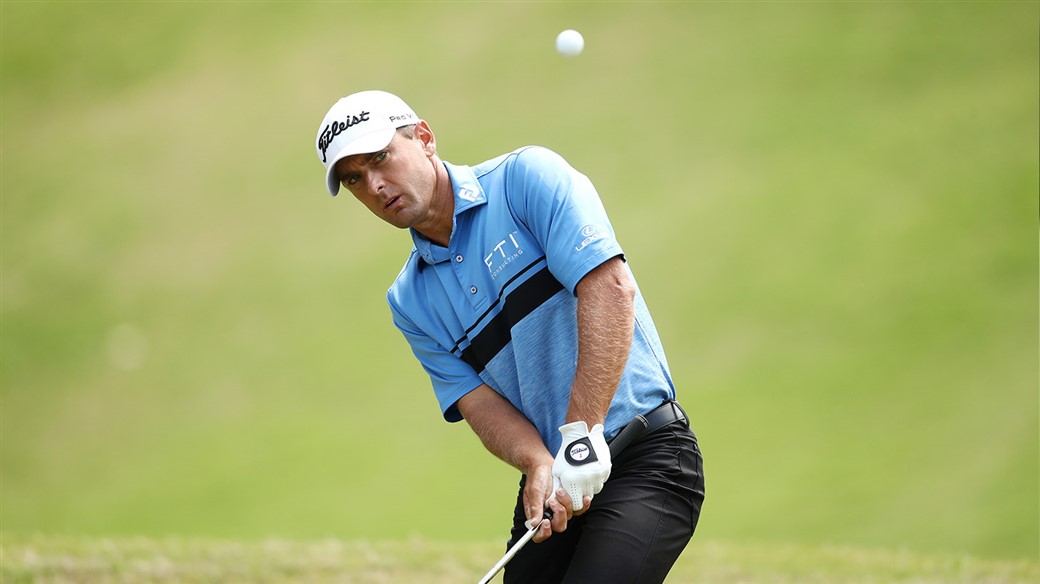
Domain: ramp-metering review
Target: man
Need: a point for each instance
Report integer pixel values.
(518, 303)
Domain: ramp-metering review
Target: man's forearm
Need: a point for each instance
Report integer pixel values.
(606, 317)
(505, 432)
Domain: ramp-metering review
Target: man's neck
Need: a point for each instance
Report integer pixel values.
(442, 209)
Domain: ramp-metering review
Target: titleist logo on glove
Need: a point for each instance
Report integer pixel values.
(580, 452)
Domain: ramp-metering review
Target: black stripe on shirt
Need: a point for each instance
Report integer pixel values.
(528, 296)
(505, 286)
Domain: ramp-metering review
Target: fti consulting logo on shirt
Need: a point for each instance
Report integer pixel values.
(502, 254)
(590, 233)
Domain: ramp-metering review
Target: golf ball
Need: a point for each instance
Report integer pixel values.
(569, 43)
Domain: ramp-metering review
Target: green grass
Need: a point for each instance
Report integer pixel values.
(831, 209)
(191, 561)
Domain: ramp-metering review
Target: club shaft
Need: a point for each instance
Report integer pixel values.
(509, 554)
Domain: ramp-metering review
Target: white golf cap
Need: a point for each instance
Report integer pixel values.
(359, 123)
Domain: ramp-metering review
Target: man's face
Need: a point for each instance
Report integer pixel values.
(397, 182)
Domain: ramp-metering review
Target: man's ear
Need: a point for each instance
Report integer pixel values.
(425, 135)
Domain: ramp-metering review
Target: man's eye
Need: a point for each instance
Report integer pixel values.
(350, 180)
(381, 156)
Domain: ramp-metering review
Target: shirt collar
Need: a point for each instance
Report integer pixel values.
(468, 194)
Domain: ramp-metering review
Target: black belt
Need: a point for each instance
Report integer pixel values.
(641, 425)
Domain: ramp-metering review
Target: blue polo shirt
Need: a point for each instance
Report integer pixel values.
(497, 306)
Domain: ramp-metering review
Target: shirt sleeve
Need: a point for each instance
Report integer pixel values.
(451, 377)
(564, 212)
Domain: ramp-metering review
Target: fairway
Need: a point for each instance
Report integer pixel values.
(140, 560)
(831, 210)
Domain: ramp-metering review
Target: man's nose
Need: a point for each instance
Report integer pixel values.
(376, 184)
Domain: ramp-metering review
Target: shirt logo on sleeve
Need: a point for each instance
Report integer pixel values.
(590, 233)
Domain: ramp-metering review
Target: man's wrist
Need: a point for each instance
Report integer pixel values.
(585, 410)
(545, 461)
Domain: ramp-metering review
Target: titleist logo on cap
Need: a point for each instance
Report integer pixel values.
(335, 129)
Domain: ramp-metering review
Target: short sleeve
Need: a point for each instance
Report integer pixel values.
(564, 212)
(452, 378)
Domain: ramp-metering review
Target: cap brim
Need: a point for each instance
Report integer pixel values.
(365, 144)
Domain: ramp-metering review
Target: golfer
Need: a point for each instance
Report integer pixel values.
(518, 302)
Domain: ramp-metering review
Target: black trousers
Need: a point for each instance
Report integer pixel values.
(635, 528)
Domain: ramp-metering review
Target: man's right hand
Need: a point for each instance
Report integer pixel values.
(511, 436)
(543, 492)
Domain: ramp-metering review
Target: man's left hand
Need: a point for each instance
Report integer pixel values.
(583, 463)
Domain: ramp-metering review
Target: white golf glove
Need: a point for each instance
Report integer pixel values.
(583, 463)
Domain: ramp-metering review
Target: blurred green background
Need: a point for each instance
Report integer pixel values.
(831, 209)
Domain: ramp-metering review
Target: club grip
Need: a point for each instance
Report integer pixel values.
(630, 432)
(548, 514)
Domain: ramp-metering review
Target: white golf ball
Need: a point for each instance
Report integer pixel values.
(569, 43)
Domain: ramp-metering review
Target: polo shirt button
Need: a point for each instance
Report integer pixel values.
(472, 289)
(458, 259)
